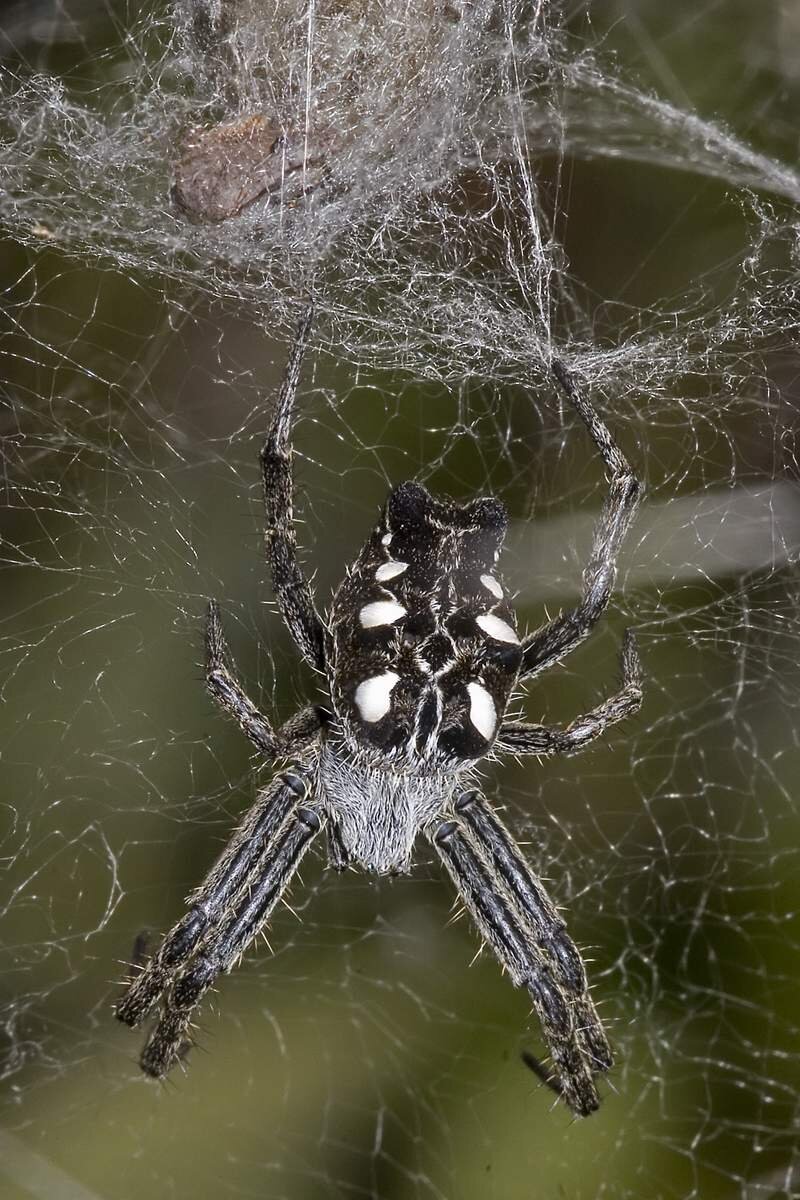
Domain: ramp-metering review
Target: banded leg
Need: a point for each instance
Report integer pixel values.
(292, 738)
(292, 590)
(213, 897)
(499, 926)
(224, 945)
(539, 918)
(522, 737)
(558, 638)
(229, 693)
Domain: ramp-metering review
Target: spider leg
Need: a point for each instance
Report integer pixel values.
(551, 643)
(522, 737)
(540, 1070)
(225, 688)
(229, 693)
(500, 927)
(223, 945)
(222, 884)
(540, 920)
(292, 590)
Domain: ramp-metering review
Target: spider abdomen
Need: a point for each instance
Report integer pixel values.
(423, 650)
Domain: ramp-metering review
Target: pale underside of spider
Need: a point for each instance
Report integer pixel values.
(420, 654)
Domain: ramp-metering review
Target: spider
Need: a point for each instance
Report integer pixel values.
(420, 654)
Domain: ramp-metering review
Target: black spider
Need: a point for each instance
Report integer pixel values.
(420, 654)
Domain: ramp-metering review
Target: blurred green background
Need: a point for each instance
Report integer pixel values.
(360, 1054)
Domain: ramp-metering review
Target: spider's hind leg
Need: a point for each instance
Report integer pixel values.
(559, 637)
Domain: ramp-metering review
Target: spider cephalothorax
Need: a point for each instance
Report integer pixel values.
(420, 652)
(423, 650)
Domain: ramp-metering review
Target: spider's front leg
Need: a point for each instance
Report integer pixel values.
(496, 914)
(231, 874)
(558, 638)
(225, 942)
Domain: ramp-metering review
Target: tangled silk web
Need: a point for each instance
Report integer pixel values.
(466, 189)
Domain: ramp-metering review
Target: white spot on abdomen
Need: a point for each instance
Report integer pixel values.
(493, 586)
(373, 697)
(386, 540)
(482, 711)
(390, 570)
(501, 631)
(381, 612)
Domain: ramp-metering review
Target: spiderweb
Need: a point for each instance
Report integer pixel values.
(485, 185)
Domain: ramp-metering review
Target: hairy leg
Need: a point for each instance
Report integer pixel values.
(523, 737)
(214, 896)
(558, 638)
(539, 918)
(224, 944)
(499, 925)
(292, 590)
